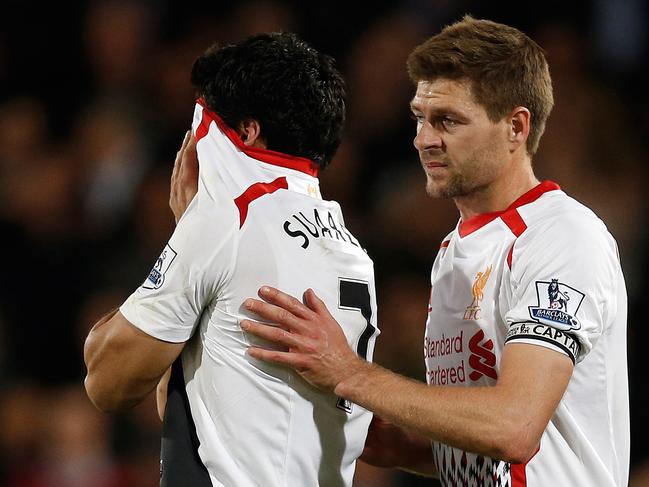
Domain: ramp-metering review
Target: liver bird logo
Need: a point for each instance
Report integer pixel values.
(479, 283)
(472, 311)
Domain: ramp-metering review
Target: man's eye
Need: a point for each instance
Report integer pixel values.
(449, 122)
(417, 118)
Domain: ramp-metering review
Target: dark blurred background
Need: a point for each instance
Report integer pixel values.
(94, 101)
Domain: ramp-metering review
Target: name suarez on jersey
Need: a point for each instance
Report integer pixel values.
(319, 225)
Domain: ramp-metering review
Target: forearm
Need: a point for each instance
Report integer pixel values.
(476, 419)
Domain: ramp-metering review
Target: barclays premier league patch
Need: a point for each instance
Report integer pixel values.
(557, 306)
(157, 275)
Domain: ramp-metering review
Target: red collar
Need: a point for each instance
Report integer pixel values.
(477, 222)
(301, 164)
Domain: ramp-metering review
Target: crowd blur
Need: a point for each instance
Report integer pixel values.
(94, 101)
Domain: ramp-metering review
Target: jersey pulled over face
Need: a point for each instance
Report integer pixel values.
(257, 219)
(543, 272)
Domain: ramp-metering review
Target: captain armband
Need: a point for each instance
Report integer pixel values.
(531, 332)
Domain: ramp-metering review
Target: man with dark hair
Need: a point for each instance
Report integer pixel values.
(270, 76)
(269, 116)
(525, 343)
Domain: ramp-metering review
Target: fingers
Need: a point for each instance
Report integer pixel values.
(273, 334)
(188, 164)
(179, 157)
(274, 314)
(283, 358)
(189, 143)
(284, 301)
(183, 146)
(316, 304)
(184, 177)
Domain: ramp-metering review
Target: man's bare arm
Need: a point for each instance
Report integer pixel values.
(505, 421)
(124, 363)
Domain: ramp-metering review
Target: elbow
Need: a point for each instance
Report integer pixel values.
(104, 397)
(517, 443)
(98, 396)
(518, 452)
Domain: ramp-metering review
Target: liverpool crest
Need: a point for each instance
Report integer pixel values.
(472, 311)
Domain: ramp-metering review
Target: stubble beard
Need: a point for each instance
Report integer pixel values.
(455, 186)
(474, 175)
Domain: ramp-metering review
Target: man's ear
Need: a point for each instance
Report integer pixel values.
(519, 127)
(250, 133)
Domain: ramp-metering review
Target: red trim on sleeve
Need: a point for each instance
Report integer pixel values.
(477, 222)
(301, 164)
(444, 244)
(255, 191)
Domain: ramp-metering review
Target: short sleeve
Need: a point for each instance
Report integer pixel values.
(563, 279)
(192, 268)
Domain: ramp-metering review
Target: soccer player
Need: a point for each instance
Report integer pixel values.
(525, 343)
(269, 116)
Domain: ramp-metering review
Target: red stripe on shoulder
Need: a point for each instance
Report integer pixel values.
(444, 244)
(509, 256)
(469, 226)
(255, 191)
(512, 218)
(514, 221)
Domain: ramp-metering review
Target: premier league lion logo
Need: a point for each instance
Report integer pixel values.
(558, 299)
(557, 305)
(157, 275)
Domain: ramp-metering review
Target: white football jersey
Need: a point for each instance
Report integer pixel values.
(544, 272)
(233, 421)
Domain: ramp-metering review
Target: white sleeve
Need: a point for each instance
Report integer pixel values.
(192, 268)
(562, 285)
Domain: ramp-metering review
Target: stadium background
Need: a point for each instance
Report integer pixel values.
(94, 101)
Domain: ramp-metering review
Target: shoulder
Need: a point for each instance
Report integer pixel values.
(560, 219)
(563, 233)
(446, 240)
(209, 222)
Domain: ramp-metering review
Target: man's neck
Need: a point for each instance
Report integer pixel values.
(498, 195)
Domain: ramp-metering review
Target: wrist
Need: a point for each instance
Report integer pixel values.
(351, 385)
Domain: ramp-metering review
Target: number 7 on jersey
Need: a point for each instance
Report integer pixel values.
(355, 296)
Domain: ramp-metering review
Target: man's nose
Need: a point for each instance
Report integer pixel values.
(427, 138)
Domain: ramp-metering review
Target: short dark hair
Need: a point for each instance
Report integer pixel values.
(295, 92)
(505, 67)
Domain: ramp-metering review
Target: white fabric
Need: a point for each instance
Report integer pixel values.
(258, 424)
(546, 236)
